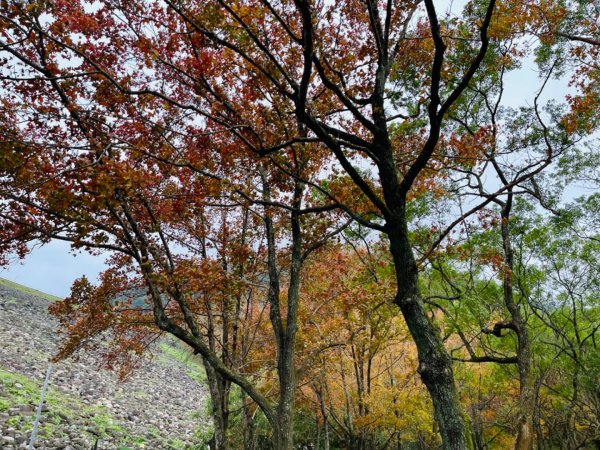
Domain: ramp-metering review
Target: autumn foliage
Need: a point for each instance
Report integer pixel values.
(322, 202)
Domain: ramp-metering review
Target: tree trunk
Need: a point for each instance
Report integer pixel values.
(319, 393)
(526, 404)
(283, 436)
(284, 329)
(435, 369)
(525, 431)
(249, 443)
(325, 434)
(219, 395)
(435, 364)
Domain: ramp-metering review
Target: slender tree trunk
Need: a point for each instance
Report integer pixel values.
(525, 432)
(537, 420)
(476, 428)
(318, 436)
(319, 392)
(526, 403)
(219, 395)
(248, 424)
(527, 394)
(325, 434)
(285, 327)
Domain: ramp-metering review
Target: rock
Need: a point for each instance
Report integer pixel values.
(26, 409)
(158, 396)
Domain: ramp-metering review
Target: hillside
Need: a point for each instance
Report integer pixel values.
(12, 286)
(160, 407)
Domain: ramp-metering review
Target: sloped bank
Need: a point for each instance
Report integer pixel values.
(160, 407)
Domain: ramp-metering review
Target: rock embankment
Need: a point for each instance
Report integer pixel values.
(159, 407)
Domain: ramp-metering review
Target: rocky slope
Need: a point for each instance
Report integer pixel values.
(162, 406)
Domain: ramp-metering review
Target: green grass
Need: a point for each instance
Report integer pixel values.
(60, 406)
(63, 407)
(195, 369)
(27, 290)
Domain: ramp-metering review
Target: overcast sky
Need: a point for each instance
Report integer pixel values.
(53, 269)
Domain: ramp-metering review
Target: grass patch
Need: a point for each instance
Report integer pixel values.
(194, 368)
(93, 421)
(61, 407)
(27, 290)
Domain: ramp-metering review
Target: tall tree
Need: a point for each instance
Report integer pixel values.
(362, 92)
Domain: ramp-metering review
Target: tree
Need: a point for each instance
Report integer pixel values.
(161, 221)
(561, 288)
(357, 353)
(365, 93)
